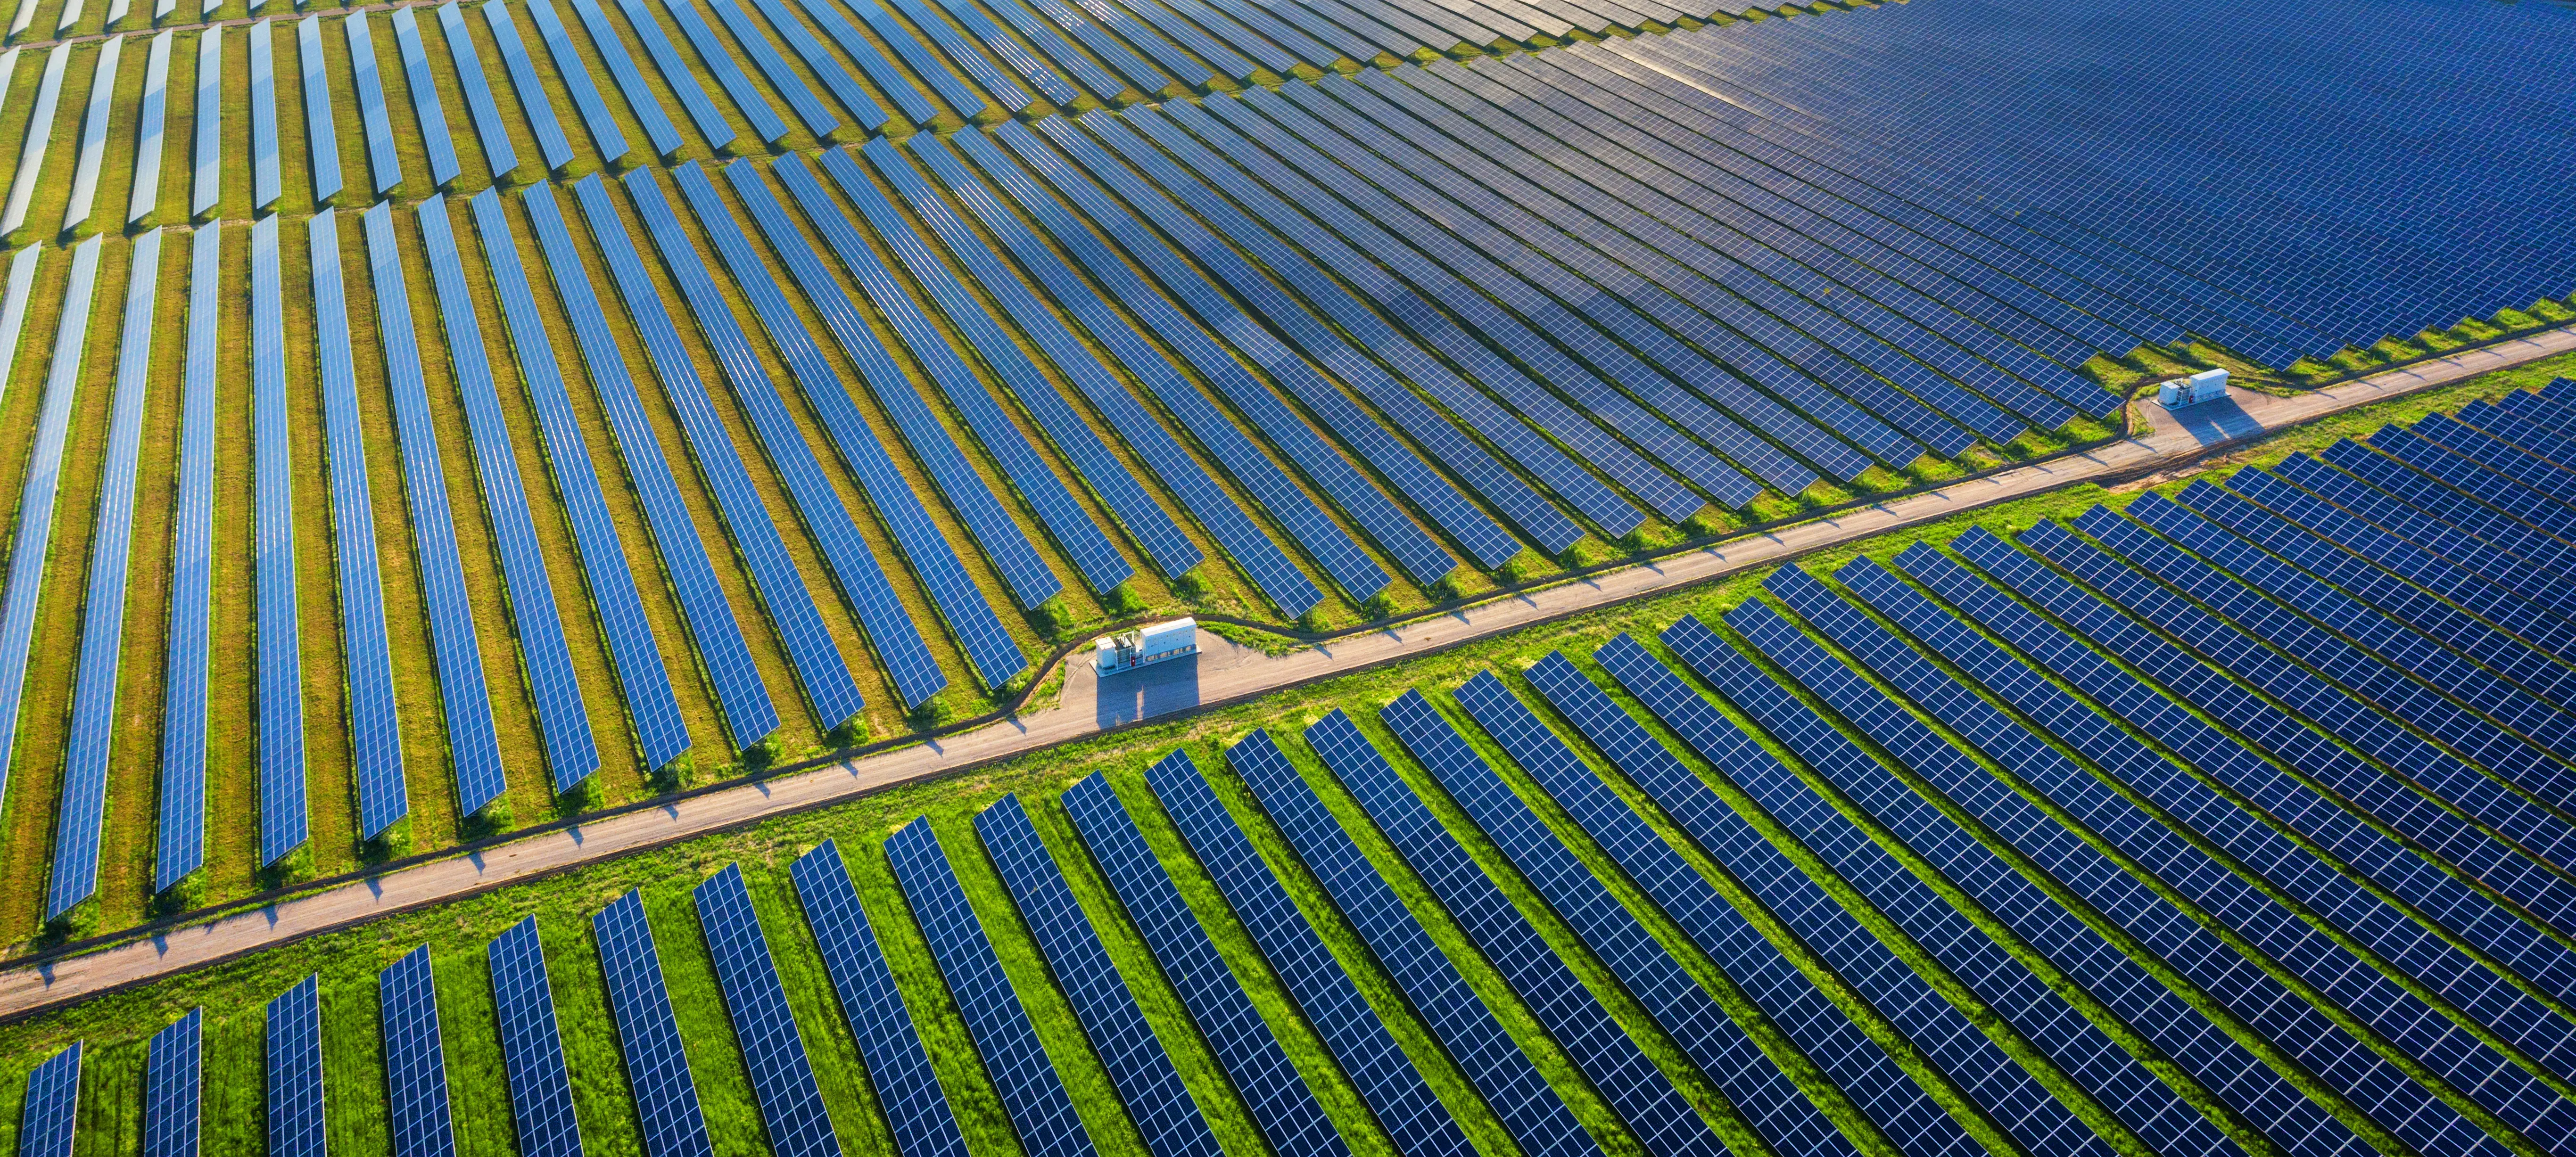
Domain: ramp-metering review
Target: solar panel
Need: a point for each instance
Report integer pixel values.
(1281, 1104)
(415, 1059)
(81, 805)
(1045, 80)
(181, 808)
(523, 1002)
(320, 141)
(2453, 545)
(51, 1111)
(657, 1068)
(1403, 1102)
(40, 133)
(782, 589)
(295, 1123)
(889, 80)
(2433, 502)
(145, 199)
(382, 162)
(473, 746)
(173, 1111)
(536, 108)
(281, 680)
(1031, 1091)
(1528, 1106)
(93, 138)
(424, 99)
(1117, 487)
(951, 83)
(205, 183)
(818, 60)
(658, 129)
(711, 123)
(660, 733)
(1641, 1094)
(1120, 43)
(575, 72)
(817, 116)
(375, 735)
(782, 1078)
(992, 527)
(494, 133)
(35, 518)
(1146, 1081)
(2463, 474)
(916, 1108)
(1103, 568)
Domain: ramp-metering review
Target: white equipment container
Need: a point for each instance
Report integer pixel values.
(2205, 386)
(1148, 645)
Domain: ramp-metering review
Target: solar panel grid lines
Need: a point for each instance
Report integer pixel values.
(40, 136)
(2531, 470)
(50, 1113)
(853, 564)
(1148, 1084)
(93, 138)
(384, 165)
(817, 117)
(1117, 488)
(81, 807)
(889, 79)
(2538, 452)
(2463, 474)
(536, 107)
(605, 135)
(961, 52)
(723, 653)
(418, 1117)
(1753, 1083)
(173, 1088)
(1227, 444)
(819, 666)
(2460, 537)
(658, 129)
(1281, 1103)
(898, 1065)
(773, 1051)
(282, 816)
(1132, 73)
(563, 720)
(492, 132)
(181, 809)
(541, 1104)
(1032, 582)
(1123, 26)
(322, 144)
(1646, 1098)
(425, 104)
(648, 1033)
(1529, 1108)
(1032, 1093)
(205, 181)
(295, 1121)
(473, 743)
(1047, 82)
(835, 79)
(34, 526)
(1414, 1119)
(2432, 503)
(711, 122)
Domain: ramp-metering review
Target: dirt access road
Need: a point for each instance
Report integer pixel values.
(1223, 673)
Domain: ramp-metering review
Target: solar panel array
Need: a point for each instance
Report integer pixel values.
(296, 1127)
(322, 142)
(648, 1033)
(772, 1049)
(52, 1105)
(282, 819)
(174, 1087)
(898, 1064)
(418, 1116)
(523, 1002)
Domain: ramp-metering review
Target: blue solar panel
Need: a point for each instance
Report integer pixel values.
(1752, 1082)
(1117, 487)
(719, 132)
(51, 1111)
(474, 748)
(595, 115)
(265, 183)
(658, 129)
(916, 1108)
(773, 1052)
(561, 717)
(425, 104)
(817, 58)
(819, 666)
(281, 679)
(82, 801)
(725, 656)
(2463, 474)
(295, 1124)
(889, 79)
(765, 121)
(853, 562)
(35, 516)
(1030, 579)
(960, 93)
(2434, 504)
(205, 181)
(659, 731)
(382, 161)
(375, 735)
(1528, 1106)
(1641, 1094)
(2464, 540)
(818, 117)
(40, 133)
(1120, 47)
(494, 133)
(1281, 1104)
(1103, 568)
(1081, 68)
(523, 1001)
(173, 1092)
(319, 138)
(182, 806)
(1031, 1091)
(1357, 1036)
(536, 109)
(657, 1068)
(418, 1117)
(92, 151)
(1045, 80)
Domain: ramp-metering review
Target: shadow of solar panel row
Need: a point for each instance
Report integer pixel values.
(773, 1051)
(523, 1003)
(1034, 1096)
(282, 819)
(321, 141)
(417, 1114)
(536, 108)
(490, 130)
(1147, 1083)
(173, 1089)
(648, 1034)
(1283, 1107)
(294, 1024)
(474, 748)
(35, 515)
(898, 1065)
